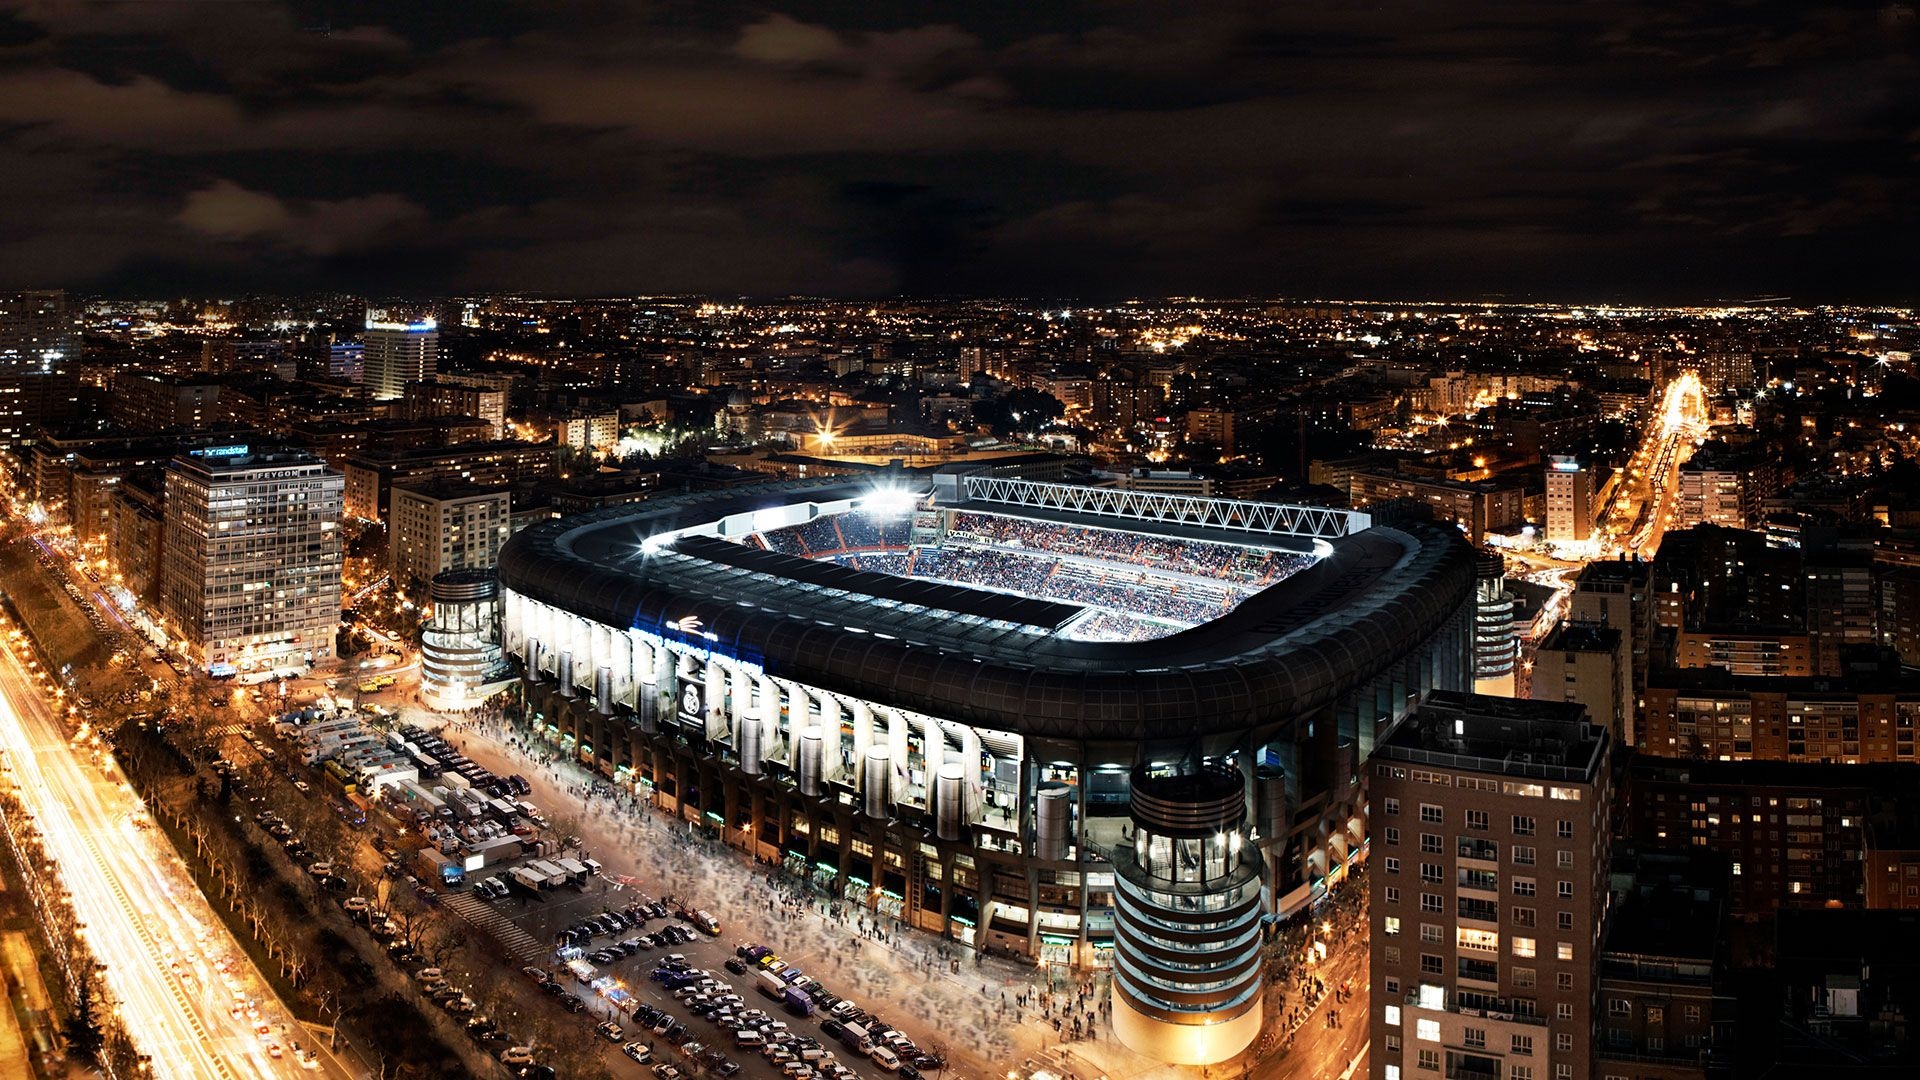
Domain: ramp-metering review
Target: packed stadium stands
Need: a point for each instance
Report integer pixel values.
(1143, 586)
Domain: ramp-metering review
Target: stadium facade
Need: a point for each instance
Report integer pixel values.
(1086, 726)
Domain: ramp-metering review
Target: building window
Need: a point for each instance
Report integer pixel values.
(1392, 924)
(1563, 919)
(1523, 978)
(1393, 982)
(1522, 825)
(1392, 806)
(1430, 1060)
(1563, 829)
(1523, 947)
(1430, 844)
(1521, 1072)
(1431, 965)
(1474, 1038)
(1393, 836)
(1431, 902)
(1431, 814)
(1427, 1030)
(1393, 1071)
(1392, 954)
(1523, 1045)
(1522, 855)
(1393, 865)
(1431, 933)
(1393, 1015)
(1619, 1007)
(1656, 1014)
(1563, 1071)
(1565, 889)
(1563, 951)
(1431, 873)
(1563, 1042)
(1563, 980)
(1523, 886)
(1693, 1014)
(1478, 819)
(1563, 1011)
(1563, 859)
(1523, 916)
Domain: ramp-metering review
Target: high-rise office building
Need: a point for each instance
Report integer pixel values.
(1492, 839)
(39, 358)
(36, 331)
(250, 559)
(398, 353)
(1569, 501)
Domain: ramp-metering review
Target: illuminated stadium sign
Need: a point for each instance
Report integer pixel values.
(693, 703)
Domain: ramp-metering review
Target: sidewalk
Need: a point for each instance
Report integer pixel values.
(991, 1015)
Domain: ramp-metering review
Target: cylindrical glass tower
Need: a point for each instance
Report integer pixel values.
(461, 662)
(1187, 909)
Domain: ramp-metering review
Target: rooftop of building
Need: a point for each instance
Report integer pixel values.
(399, 455)
(1619, 570)
(444, 489)
(1870, 670)
(234, 457)
(1883, 777)
(1581, 637)
(1505, 736)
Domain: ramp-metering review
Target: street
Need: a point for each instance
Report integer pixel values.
(190, 998)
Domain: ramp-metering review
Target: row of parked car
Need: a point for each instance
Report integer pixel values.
(855, 1028)
(452, 760)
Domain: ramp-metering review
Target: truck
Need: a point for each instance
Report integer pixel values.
(771, 985)
(527, 881)
(437, 867)
(797, 1001)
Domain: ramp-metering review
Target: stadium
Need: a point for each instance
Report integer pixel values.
(1089, 726)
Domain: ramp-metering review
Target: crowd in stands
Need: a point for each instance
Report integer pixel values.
(1141, 586)
(1113, 626)
(1246, 566)
(829, 534)
(862, 531)
(897, 563)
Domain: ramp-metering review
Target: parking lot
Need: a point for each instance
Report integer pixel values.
(692, 989)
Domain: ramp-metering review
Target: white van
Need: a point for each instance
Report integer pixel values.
(887, 1060)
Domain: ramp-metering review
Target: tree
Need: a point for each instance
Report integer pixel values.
(82, 1030)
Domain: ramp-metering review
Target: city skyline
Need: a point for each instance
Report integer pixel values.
(1632, 154)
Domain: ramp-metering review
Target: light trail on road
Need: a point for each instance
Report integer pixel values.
(1637, 514)
(180, 983)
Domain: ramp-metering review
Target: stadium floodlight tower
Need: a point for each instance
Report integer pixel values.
(1186, 986)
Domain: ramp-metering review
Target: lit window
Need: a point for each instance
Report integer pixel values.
(1393, 1016)
(1393, 924)
(1427, 1030)
(1523, 947)
(1393, 1072)
(1563, 951)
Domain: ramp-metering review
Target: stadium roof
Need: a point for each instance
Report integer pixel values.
(1297, 645)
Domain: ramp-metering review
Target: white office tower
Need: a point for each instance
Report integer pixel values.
(398, 353)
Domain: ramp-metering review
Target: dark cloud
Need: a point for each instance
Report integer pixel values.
(1626, 151)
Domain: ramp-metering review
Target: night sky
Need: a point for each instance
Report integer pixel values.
(1545, 151)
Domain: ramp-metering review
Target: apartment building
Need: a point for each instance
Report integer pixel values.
(1491, 847)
